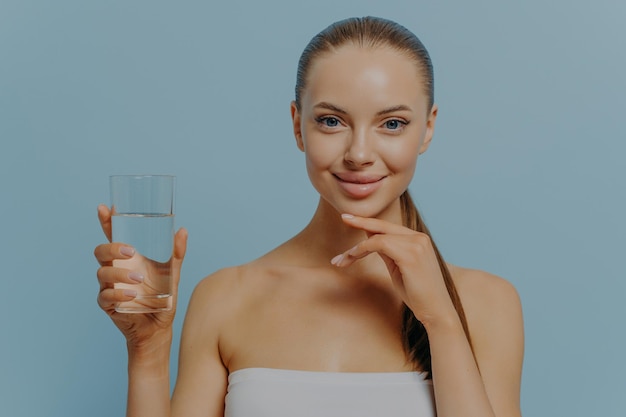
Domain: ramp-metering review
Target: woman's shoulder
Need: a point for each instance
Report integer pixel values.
(221, 296)
(214, 295)
(230, 284)
(480, 286)
(490, 302)
(484, 294)
(493, 310)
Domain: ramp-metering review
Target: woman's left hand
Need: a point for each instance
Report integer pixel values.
(411, 261)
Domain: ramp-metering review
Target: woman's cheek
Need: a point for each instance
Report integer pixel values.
(321, 154)
(402, 159)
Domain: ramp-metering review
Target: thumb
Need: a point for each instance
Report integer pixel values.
(104, 215)
(180, 247)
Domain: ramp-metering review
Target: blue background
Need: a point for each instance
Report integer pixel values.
(524, 179)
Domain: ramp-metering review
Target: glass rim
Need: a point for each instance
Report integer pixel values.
(142, 176)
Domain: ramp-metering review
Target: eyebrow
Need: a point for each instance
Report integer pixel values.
(328, 106)
(400, 107)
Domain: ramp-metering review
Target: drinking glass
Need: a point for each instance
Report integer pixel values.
(142, 209)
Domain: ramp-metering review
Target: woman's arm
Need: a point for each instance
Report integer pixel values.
(148, 336)
(202, 379)
(489, 385)
(202, 376)
(149, 380)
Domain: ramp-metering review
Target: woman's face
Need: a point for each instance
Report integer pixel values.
(364, 119)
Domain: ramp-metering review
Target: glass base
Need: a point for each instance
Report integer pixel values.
(146, 304)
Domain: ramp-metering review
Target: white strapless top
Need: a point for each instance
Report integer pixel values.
(263, 392)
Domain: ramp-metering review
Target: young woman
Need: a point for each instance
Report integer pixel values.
(358, 314)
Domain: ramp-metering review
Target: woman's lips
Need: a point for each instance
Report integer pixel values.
(359, 185)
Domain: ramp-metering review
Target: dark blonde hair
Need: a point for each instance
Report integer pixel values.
(372, 32)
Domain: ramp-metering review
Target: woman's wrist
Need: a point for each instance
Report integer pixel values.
(149, 378)
(152, 355)
(444, 322)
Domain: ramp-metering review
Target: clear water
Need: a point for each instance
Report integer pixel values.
(152, 236)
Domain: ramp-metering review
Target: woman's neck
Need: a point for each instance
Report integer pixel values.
(327, 235)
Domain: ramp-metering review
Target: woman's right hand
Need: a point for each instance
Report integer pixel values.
(140, 329)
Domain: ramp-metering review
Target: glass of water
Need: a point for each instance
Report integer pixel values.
(142, 209)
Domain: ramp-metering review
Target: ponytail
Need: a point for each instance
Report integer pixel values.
(414, 335)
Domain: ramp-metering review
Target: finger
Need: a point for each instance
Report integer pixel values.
(109, 275)
(180, 248)
(180, 244)
(361, 250)
(108, 298)
(379, 244)
(375, 226)
(107, 252)
(388, 247)
(104, 215)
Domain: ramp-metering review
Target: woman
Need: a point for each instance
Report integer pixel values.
(358, 314)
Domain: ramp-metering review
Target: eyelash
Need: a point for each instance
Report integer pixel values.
(320, 121)
(402, 124)
(323, 119)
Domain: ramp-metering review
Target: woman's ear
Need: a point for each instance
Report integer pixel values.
(430, 128)
(297, 128)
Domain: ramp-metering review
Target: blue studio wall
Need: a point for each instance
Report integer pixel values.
(524, 179)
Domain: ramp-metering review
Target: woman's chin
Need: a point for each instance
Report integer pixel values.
(373, 209)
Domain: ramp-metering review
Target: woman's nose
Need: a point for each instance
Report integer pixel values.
(359, 152)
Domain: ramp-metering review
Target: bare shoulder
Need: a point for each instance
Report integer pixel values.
(235, 281)
(202, 377)
(494, 314)
(225, 292)
(210, 305)
(483, 293)
(215, 290)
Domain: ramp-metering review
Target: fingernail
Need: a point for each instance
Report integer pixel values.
(127, 251)
(337, 259)
(135, 276)
(130, 293)
(347, 216)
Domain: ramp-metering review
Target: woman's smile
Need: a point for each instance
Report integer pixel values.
(359, 185)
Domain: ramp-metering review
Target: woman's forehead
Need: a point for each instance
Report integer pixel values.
(380, 76)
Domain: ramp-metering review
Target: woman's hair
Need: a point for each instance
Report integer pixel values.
(368, 32)
(373, 32)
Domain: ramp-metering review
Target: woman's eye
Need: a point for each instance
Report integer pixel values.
(328, 121)
(394, 124)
